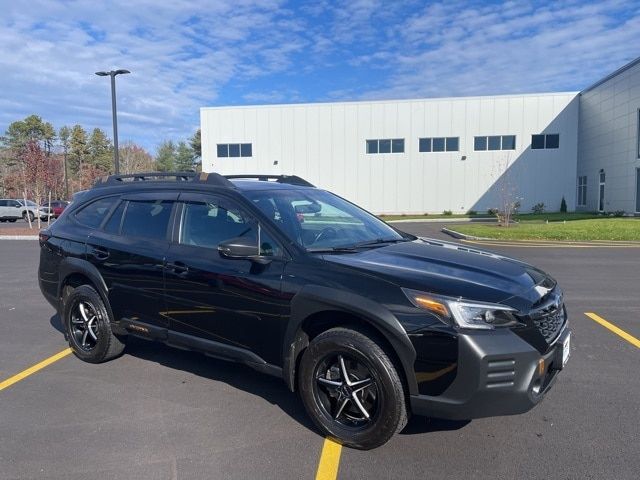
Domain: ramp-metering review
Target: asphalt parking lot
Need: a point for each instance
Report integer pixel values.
(161, 413)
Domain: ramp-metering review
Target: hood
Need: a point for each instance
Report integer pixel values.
(451, 269)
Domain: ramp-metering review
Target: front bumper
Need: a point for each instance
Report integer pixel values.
(498, 374)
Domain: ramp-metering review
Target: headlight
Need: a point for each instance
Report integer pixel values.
(465, 314)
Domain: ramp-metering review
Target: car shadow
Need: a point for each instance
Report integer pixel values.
(56, 323)
(271, 389)
(418, 425)
(238, 376)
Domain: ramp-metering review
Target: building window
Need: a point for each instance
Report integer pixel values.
(582, 191)
(545, 141)
(234, 150)
(386, 145)
(494, 142)
(438, 144)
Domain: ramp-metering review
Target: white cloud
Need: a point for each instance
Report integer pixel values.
(185, 54)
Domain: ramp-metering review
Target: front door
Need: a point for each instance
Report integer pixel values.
(233, 302)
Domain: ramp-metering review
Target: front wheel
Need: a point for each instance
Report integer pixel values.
(12, 220)
(88, 326)
(351, 389)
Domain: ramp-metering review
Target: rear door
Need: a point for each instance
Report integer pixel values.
(129, 251)
(229, 301)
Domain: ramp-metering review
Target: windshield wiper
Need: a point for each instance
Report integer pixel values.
(378, 242)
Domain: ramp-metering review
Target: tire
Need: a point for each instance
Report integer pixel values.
(333, 408)
(30, 215)
(91, 341)
(13, 220)
(3, 220)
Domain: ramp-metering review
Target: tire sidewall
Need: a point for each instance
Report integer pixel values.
(387, 415)
(88, 294)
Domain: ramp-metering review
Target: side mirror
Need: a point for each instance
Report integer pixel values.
(242, 248)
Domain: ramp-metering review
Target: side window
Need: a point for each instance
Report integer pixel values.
(3, 203)
(14, 203)
(114, 222)
(147, 219)
(208, 224)
(93, 214)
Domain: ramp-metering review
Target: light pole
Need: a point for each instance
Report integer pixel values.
(112, 74)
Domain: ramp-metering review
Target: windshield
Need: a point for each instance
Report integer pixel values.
(317, 220)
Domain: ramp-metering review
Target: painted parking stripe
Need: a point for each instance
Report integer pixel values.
(618, 331)
(35, 368)
(329, 460)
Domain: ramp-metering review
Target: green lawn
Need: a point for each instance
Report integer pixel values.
(555, 216)
(575, 230)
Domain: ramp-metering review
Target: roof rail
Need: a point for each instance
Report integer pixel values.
(288, 179)
(209, 178)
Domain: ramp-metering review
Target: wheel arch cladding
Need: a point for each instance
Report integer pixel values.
(76, 272)
(316, 308)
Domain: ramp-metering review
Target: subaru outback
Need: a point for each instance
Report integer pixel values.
(368, 323)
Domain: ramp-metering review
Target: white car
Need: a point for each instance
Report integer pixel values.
(13, 209)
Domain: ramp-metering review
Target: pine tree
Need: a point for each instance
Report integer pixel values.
(196, 144)
(78, 149)
(100, 150)
(184, 157)
(166, 157)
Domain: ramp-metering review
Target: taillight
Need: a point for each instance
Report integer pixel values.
(43, 237)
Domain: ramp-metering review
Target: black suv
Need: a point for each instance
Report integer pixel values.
(368, 323)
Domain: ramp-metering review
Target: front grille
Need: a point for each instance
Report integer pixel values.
(550, 324)
(550, 315)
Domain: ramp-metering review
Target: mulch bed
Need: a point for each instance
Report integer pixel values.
(20, 230)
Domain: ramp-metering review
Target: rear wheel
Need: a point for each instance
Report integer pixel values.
(13, 220)
(28, 216)
(351, 389)
(3, 220)
(88, 326)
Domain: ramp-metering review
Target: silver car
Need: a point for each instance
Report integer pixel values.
(13, 209)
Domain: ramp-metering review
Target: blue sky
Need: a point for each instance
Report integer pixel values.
(185, 54)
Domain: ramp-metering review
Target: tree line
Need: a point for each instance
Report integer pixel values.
(36, 159)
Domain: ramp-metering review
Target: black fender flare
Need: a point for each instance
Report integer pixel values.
(73, 265)
(314, 299)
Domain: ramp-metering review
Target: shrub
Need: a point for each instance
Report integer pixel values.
(492, 211)
(472, 212)
(563, 205)
(447, 212)
(619, 213)
(538, 208)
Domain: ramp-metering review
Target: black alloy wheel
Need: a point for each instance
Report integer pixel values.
(347, 390)
(351, 389)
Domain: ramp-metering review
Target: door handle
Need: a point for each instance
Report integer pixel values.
(178, 268)
(100, 253)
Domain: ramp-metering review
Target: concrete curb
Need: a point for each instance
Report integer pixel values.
(18, 237)
(462, 236)
(443, 220)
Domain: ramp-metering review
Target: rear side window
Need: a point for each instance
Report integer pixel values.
(93, 214)
(147, 219)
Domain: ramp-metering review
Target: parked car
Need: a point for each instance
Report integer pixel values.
(369, 324)
(13, 209)
(56, 206)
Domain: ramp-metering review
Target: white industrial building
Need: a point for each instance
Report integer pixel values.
(458, 154)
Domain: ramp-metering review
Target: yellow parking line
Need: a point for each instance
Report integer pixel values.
(618, 331)
(329, 460)
(31, 370)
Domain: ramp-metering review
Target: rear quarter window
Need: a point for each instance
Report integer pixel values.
(94, 213)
